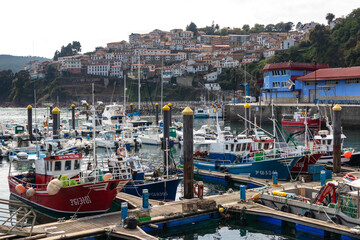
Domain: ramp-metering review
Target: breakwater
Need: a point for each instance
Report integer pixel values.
(263, 112)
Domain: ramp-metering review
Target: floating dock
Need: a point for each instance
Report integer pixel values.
(164, 215)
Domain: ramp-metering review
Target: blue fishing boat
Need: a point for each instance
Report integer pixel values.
(259, 169)
(160, 187)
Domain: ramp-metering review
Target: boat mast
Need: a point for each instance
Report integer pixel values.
(124, 95)
(162, 90)
(139, 83)
(93, 123)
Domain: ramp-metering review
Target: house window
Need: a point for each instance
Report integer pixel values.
(284, 84)
(276, 73)
(352, 81)
(332, 82)
(311, 83)
(276, 84)
(266, 74)
(58, 166)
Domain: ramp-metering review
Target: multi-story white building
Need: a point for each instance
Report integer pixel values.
(99, 69)
(212, 86)
(71, 64)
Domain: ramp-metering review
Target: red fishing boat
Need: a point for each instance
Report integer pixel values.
(66, 185)
(303, 163)
(298, 119)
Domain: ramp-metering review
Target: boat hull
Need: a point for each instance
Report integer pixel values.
(258, 169)
(301, 123)
(158, 190)
(302, 165)
(83, 199)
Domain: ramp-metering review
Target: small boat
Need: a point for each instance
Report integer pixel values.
(160, 187)
(298, 118)
(201, 112)
(333, 203)
(62, 185)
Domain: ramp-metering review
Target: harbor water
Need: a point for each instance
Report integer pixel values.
(212, 229)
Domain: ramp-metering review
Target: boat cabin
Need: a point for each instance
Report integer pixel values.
(55, 166)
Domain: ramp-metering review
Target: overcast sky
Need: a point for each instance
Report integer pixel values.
(40, 27)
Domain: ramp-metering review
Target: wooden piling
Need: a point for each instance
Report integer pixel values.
(188, 145)
(29, 108)
(73, 116)
(131, 108)
(170, 106)
(166, 135)
(157, 114)
(56, 123)
(337, 139)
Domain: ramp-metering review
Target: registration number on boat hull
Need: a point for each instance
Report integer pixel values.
(80, 201)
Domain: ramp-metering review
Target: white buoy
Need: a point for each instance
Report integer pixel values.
(53, 187)
(30, 192)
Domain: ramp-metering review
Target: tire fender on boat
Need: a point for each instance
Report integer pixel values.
(309, 214)
(336, 219)
(286, 208)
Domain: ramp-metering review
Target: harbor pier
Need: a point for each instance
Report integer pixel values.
(262, 111)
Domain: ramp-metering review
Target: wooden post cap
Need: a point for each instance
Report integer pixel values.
(169, 104)
(72, 105)
(188, 111)
(157, 104)
(166, 108)
(337, 107)
(131, 104)
(56, 110)
(29, 107)
(247, 105)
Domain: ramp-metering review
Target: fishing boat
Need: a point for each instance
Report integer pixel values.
(334, 202)
(160, 187)
(201, 112)
(298, 118)
(63, 185)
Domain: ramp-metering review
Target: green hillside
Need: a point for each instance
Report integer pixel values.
(17, 63)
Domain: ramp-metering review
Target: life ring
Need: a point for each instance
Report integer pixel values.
(351, 176)
(120, 151)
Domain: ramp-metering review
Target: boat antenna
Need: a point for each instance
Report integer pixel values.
(93, 123)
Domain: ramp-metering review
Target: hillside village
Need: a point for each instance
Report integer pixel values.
(174, 54)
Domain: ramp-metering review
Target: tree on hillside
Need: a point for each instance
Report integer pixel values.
(258, 28)
(299, 26)
(246, 28)
(270, 28)
(18, 86)
(70, 50)
(6, 78)
(192, 27)
(288, 26)
(330, 17)
(224, 32)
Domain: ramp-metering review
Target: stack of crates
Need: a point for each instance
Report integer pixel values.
(315, 170)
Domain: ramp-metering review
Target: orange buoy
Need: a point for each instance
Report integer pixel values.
(347, 154)
(20, 189)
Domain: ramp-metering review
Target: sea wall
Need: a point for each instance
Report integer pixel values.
(350, 113)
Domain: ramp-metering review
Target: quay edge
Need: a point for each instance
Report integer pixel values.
(262, 112)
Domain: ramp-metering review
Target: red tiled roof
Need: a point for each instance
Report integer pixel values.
(293, 66)
(332, 74)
